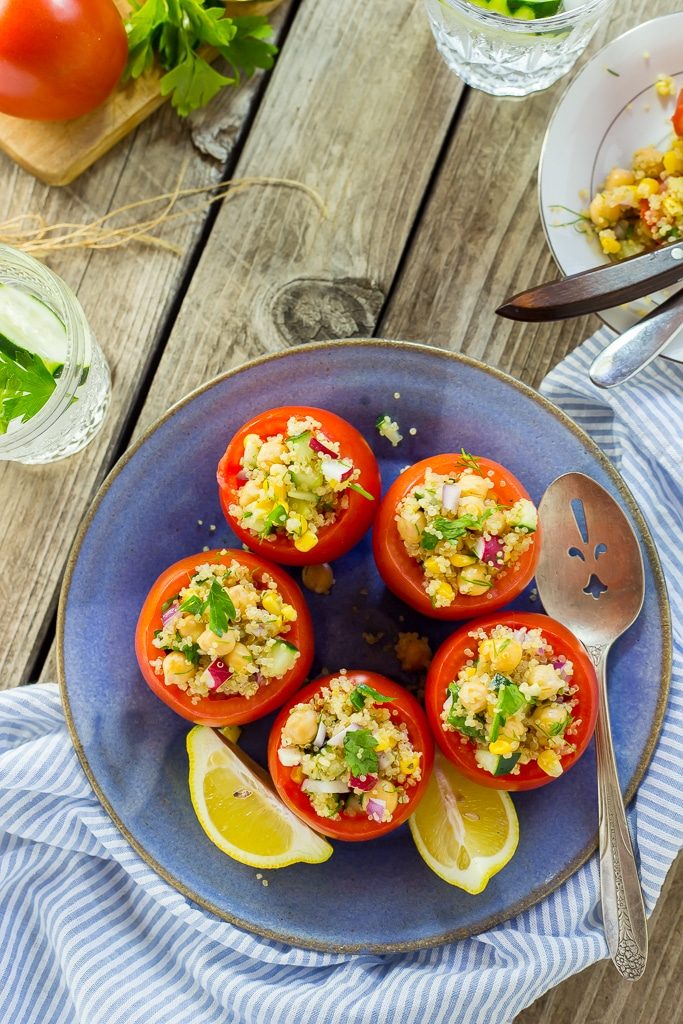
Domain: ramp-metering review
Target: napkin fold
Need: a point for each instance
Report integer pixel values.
(89, 934)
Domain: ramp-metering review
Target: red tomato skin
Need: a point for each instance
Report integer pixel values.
(59, 59)
(230, 710)
(359, 828)
(450, 657)
(350, 525)
(677, 119)
(404, 576)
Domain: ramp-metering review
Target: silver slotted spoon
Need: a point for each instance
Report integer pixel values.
(590, 578)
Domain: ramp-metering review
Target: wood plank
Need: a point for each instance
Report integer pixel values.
(480, 239)
(128, 294)
(58, 152)
(357, 108)
(599, 995)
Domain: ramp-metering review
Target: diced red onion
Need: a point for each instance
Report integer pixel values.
(366, 784)
(489, 551)
(318, 446)
(384, 760)
(320, 735)
(335, 470)
(218, 672)
(324, 786)
(170, 614)
(375, 808)
(289, 756)
(242, 477)
(347, 474)
(450, 496)
(561, 668)
(338, 738)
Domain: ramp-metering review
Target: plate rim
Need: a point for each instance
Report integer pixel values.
(536, 895)
(588, 66)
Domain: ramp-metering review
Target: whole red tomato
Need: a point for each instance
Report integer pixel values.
(223, 710)
(59, 58)
(451, 657)
(351, 523)
(354, 828)
(403, 574)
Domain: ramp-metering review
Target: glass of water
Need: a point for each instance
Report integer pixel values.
(513, 47)
(54, 381)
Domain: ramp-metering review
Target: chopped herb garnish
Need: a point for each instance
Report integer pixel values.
(499, 680)
(361, 490)
(380, 419)
(358, 696)
(510, 699)
(167, 604)
(193, 605)
(610, 71)
(458, 721)
(276, 517)
(191, 652)
(220, 607)
(359, 752)
(468, 461)
(453, 529)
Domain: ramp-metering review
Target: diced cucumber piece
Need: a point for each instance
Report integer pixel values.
(523, 516)
(306, 479)
(494, 764)
(280, 659)
(305, 496)
(301, 445)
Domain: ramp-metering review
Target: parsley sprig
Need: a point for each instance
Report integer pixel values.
(220, 607)
(25, 383)
(174, 30)
(359, 752)
(453, 529)
(358, 695)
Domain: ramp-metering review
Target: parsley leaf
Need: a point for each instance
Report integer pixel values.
(26, 384)
(468, 461)
(363, 690)
(220, 607)
(453, 529)
(175, 31)
(359, 752)
(510, 699)
(193, 605)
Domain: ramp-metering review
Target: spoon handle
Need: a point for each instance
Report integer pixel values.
(622, 898)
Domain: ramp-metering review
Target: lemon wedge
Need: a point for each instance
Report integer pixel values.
(464, 832)
(239, 810)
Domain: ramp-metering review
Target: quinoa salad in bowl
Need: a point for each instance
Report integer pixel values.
(516, 698)
(355, 750)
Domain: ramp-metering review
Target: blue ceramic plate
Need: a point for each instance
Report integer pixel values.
(375, 896)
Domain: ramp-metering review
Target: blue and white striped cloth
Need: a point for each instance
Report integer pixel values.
(90, 935)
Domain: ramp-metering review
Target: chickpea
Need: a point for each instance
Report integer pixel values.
(513, 730)
(301, 726)
(546, 679)
(216, 646)
(249, 492)
(177, 669)
(505, 655)
(188, 626)
(239, 658)
(619, 176)
(239, 597)
(495, 523)
(471, 505)
(470, 484)
(318, 578)
(549, 719)
(270, 452)
(383, 791)
(473, 694)
(602, 213)
(411, 531)
(473, 580)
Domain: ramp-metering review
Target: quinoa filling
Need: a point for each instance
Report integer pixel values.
(349, 752)
(457, 527)
(224, 633)
(295, 483)
(514, 699)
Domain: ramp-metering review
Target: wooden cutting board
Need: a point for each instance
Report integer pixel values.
(56, 152)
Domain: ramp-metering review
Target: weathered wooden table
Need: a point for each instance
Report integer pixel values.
(432, 220)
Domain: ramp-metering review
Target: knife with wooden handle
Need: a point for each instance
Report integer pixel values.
(638, 346)
(599, 288)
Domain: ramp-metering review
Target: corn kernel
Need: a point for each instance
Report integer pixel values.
(272, 602)
(665, 85)
(610, 243)
(673, 162)
(409, 764)
(432, 565)
(305, 542)
(549, 762)
(445, 592)
(288, 613)
(648, 186)
(459, 560)
(297, 774)
(501, 747)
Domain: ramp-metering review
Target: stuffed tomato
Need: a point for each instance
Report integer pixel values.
(224, 638)
(456, 536)
(299, 485)
(351, 754)
(512, 700)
